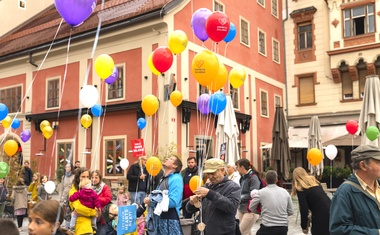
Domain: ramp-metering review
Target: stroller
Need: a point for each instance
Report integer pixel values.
(9, 210)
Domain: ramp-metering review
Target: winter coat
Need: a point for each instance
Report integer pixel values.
(83, 223)
(41, 192)
(66, 183)
(33, 189)
(248, 182)
(20, 197)
(105, 196)
(87, 197)
(219, 207)
(316, 200)
(134, 181)
(353, 212)
(28, 176)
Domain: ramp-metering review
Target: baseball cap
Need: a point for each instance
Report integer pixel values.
(213, 165)
(364, 152)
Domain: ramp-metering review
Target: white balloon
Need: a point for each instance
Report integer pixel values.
(331, 151)
(49, 187)
(88, 96)
(124, 163)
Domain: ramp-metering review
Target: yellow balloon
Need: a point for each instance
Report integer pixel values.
(220, 80)
(43, 124)
(237, 77)
(153, 166)
(104, 66)
(86, 120)
(314, 156)
(205, 67)
(6, 122)
(47, 132)
(10, 147)
(149, 105)
(177, 41)
(176, 98)
(195, 182)
(151, 66)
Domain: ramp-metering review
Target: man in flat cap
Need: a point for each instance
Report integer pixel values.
(355, 207)
(220, 199)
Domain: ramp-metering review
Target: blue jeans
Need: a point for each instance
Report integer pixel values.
(137, 197)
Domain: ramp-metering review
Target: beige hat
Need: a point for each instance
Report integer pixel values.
(213, 165)
(364, 152)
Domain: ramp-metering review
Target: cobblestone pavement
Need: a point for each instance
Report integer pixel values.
(294, 228)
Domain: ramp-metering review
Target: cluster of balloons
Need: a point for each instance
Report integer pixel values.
(4, 169)
(214, 103)
(195, 182)
(314, 156)
(153, 166)
(161, 59)
(208, 72)
(215, 25)
(352, 126)
(75, 12)
(46, 129)
(331, 151)
(6, 120)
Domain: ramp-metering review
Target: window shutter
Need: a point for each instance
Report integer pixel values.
(306, 90)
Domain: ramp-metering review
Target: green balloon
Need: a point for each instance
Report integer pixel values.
(4, 169)
(372, 133)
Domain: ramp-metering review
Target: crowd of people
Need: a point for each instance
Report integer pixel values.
(230, 202)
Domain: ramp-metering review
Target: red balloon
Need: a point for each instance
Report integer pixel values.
(352, 126)
(162, 59)
(217, 26)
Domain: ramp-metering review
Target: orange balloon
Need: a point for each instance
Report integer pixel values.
(43, 124)
(314, 156)
(220, 79)
(195, 182)
(153, 166)
(205, 67)
(176, 98)
(150, 105)
(47, 132)
(10, 147)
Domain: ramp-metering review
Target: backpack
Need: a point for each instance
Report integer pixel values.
(263, 184)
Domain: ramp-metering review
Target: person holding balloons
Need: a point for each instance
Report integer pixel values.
(355, 205)
(138, 180)
(20, 201)
(166, 219)
(190, 171)
(218, 199)
(311, 196)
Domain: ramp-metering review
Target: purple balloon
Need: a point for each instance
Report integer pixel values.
(74, 12)
(25, 135)
(198, 23)
(202, 104)
(113, 77)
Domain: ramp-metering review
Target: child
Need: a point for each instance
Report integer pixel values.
(111, 219)
(33, 187)
(3, 196)
(20, 198)
(42, 194)
(87, 197)
(45, 219)
(122, 197)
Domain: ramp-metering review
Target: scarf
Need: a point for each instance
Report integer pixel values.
(68, 174)
(98, 188)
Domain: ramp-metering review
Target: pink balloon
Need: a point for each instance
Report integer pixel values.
(162, 59)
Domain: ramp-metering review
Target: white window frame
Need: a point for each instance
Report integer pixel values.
(267, 106)
(72, 141)
(276, 13)
(261, 3)
(275, 101)
(219, 3)
(124, 85)
(241, 31)
(47, 92)
(274, 41)
(104, 158)
(259, 31)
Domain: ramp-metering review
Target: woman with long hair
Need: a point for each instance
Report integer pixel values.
(45, 218)
(105, 197)
(66, 183)
(311, 196)
(33, 187)
(20, 201)
(83, 222)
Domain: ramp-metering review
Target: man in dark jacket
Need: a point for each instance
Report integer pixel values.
(220, 199)
(355, 205)
(28, 174)
(187, 173)
(137, 180)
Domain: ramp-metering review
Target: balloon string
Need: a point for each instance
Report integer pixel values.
(225, 50)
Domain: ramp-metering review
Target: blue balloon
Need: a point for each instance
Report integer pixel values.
(217, 102)
(97, 110)
(231, 33)
(15, 123)
(141, 123)
(3, 111)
